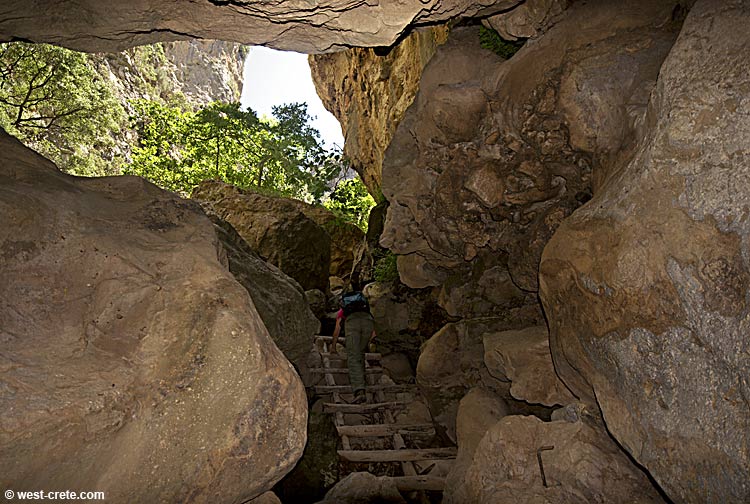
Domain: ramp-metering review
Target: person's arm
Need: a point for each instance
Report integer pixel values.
(336, 332)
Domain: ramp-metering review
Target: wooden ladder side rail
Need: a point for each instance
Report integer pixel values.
(387, 430)
(339, 416)
(398, 455)
(407, 467)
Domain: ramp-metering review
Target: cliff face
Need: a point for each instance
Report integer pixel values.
(369, 91)
(201, 70)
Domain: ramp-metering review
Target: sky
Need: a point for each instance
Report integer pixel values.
(274, 77)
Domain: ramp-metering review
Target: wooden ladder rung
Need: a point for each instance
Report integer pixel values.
(369, 370)
(338, 356)
(383, 430)
(363, 408)
(411, 483)
(347, 389)
(404, 455)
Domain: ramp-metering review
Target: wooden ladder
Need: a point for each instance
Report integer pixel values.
(411, 480)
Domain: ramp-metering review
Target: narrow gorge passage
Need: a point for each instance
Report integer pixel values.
(549, 219)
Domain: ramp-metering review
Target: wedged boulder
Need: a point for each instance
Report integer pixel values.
(478, 410)
(364, 488)
(279, 299)
(326, 26)
(276, 228)
(646, 287)
(266, 498)
(523, 358)
(585, 465)
(133, 362)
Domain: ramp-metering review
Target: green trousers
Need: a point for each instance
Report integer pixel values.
(358, 327)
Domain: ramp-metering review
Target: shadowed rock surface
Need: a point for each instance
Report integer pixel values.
(646, 287)
(133, 362)
(279, 299)
(335, 24)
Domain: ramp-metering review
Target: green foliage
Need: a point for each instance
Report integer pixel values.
(55, 102)
(351, 201)
(490, 39)
(385, 267)
(178, 149)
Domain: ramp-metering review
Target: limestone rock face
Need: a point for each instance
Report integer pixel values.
(369, 92)
(479, 410)
(523, 358)
(279, 299)
(646, 287)
(584, 466)
(493, 154)
(276, 229)
(92, 25)
(133, 362)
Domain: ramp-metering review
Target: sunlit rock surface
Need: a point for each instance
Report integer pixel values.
(369, 90)
(133, 362)
(646, 287)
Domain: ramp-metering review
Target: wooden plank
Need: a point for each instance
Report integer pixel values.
(342, 356)
(403, 455)
(384, 430)
(369, 370)
(329, 389)
(363, 408)
(411, 483)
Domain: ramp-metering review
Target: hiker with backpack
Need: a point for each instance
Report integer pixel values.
(359, 328)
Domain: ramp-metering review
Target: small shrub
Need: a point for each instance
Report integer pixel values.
(491, 40)
(385, 268)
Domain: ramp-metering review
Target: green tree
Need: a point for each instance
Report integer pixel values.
(55, 102)
(351, 201)
(178, 149)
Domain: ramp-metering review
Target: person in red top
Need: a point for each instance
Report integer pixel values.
(359, 328)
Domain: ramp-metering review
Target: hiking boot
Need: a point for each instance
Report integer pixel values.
(359, 397)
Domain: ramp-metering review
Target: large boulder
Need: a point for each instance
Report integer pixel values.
(523, 358)
(133, 362)
(276, 228)
(646, 287)
(493, 154)
(273, 293)
(364, 488)
(478, 410)
(580, 462)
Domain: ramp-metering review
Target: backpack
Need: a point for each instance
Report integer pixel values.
(353, 302)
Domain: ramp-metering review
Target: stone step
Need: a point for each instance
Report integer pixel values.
(345, 371)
